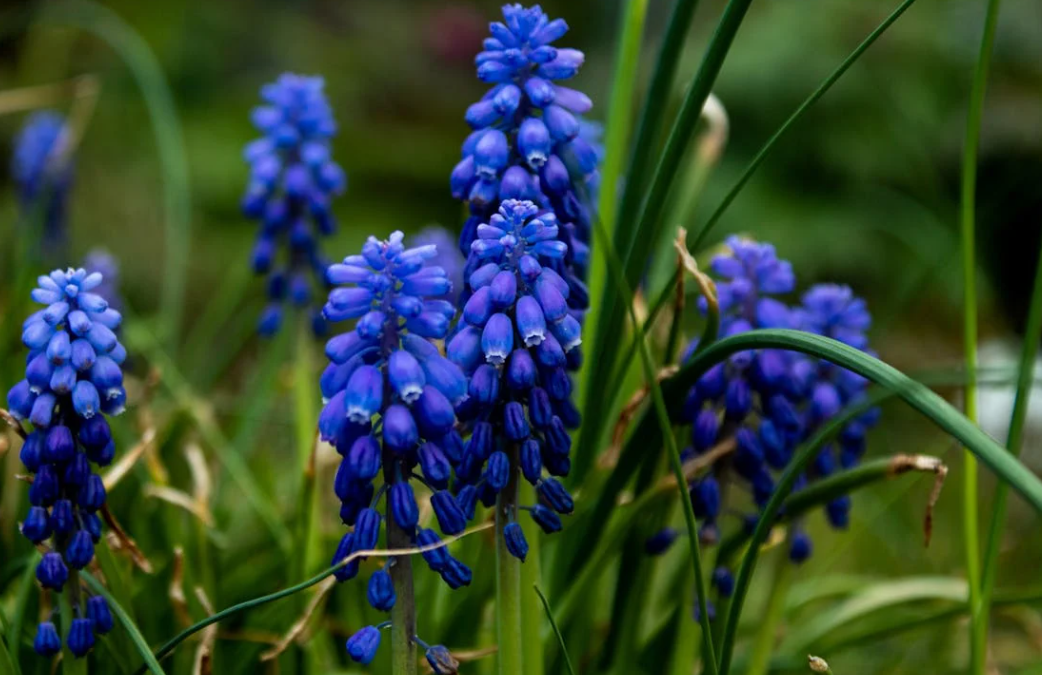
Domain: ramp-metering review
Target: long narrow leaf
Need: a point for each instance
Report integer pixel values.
(795, 117)
(643, 231)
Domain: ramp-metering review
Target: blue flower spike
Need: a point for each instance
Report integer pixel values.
(73, 381)
(769, 401)
(390, 411)
(293, 180)
(513, 340)
(528, 141)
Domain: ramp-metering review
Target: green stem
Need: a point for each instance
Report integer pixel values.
(69, 603)
(1014, 438)
(620, 106)
(763, 643)
(306, 413)
(967, 219)
(531, 611)
(403, 614)
(508, 580)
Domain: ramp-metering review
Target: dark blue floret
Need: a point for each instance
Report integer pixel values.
(293, 180)
(515, 541)
(47, 641)
(800, 547)
(381, 593)
(441, 660)
(362, 646)
(723, 581)
(99, 614)
(660, 542)
(81, 637)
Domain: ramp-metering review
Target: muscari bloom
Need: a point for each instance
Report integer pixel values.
(292, 182)
(42, 171)
(73, 380)
(527, 140)
(769, 401)
(390, 411)
(513, 340)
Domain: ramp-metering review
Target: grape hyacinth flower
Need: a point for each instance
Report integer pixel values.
(390, 414)
(513, 341)
(73, 379)
(292, 181)
(768, 401)
(526, 141)
(42, 171)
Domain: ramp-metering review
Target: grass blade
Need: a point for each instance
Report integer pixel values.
(795, 117)
(967, 229)
(648, 224)
(662, 415)
(143, 65)
(128, 623)
(26, 584)
(1014, 438)
(557, 631)
(879, 597)
(616, 146)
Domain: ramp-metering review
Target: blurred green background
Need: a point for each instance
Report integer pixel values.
(864, 191)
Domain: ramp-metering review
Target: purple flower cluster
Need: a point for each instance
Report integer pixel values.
(72, 380)
(513, 343)
(768, 401)
(390, 411)
(293, 179)
(527, 141)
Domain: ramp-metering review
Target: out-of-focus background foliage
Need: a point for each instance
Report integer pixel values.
(864, 191)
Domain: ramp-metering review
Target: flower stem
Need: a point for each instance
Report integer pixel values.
(508, 580)
(532, 611)
(403, 615)
(978, 616)
(69, 600)
(306, 412)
